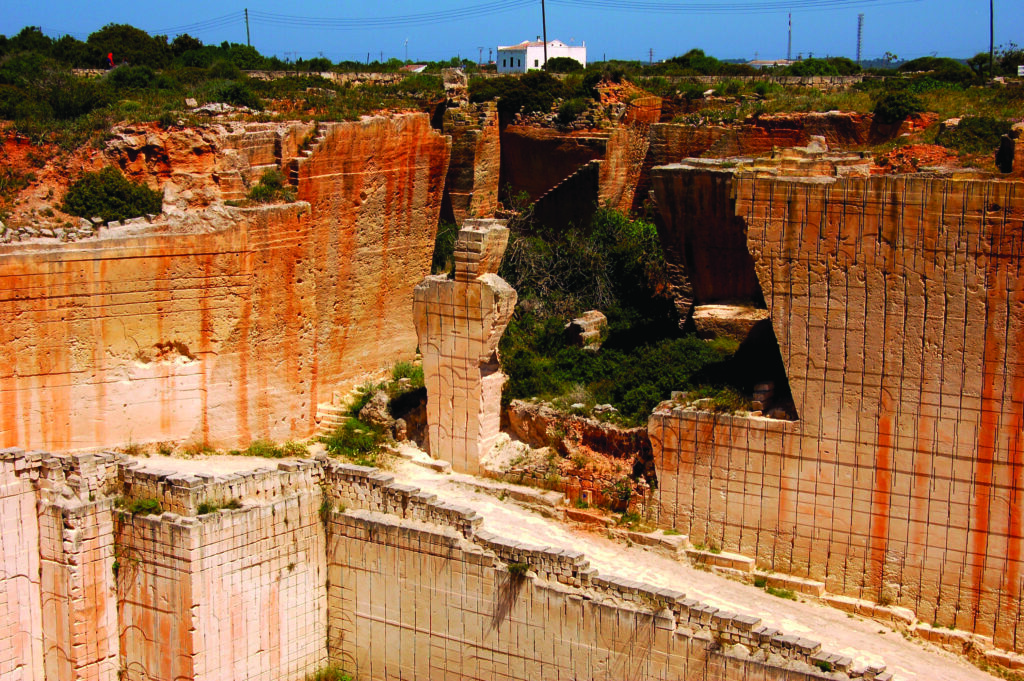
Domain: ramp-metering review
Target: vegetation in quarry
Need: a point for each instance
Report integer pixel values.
(614, 264)
(356, 441)
(108, 195)
(271, 188)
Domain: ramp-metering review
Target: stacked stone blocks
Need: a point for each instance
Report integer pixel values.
(458, 324)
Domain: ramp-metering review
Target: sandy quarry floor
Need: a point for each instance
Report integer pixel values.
(863, 640)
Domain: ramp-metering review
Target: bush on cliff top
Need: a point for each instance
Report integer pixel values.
(107, 194)
(893, 107)
(974, 134)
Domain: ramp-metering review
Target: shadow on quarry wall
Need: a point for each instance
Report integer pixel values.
(716, 288)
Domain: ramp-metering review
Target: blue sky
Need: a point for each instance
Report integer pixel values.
(908, 28)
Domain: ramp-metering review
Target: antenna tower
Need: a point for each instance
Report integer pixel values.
(860, 35)
(789, 45)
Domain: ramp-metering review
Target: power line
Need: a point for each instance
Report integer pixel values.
(746, 7)
(365, 23)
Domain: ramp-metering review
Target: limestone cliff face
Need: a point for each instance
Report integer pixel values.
(230, 325)
(897, 303)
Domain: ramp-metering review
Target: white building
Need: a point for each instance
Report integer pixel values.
(529, 54)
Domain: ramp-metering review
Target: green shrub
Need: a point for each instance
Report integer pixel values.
(107, 194)
(223, 69)
(533, 91)
(237, 94)
(271, 188)
(571, 109)
(518, 569)
(207, 507)
(443, 259)
(975, 134)
(893, 107)
(940, 68)
(131, 77)
(270, 450)
(144, 507)
(414, 372)
(357, 441)
(329, 673)
(788, 594)
(823, 665)
(760, 582)
(562, 65)
(729, 87)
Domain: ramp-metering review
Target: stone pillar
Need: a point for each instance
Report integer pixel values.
(458, 324)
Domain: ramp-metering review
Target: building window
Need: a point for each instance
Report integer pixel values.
(536, 63)
(503, 64)
(520, 62)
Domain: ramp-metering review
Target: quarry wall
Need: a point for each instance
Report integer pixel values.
(323, 561)
(228, 325)
(897, 307)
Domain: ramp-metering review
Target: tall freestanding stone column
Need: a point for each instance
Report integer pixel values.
(458, 324)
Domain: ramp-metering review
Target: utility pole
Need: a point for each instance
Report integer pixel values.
(650, 57)
(480, 62)
(991, 40)
(544, 26)
(406, 50)
(789, 45)
(247, 43)
(860, 35)
(490, 54)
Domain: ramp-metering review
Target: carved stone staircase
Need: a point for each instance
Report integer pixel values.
(309, 148)
(330, 415)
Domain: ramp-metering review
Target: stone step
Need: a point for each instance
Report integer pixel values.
(809, 587)
(733, 561)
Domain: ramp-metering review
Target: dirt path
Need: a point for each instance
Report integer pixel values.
(863, 640)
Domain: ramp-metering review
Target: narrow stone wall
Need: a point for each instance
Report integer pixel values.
(897, 306)
(79, 604)
(378, 577)
(472, 182)
(627, 149)
(21, 638)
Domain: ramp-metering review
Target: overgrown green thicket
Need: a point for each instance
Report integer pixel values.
(271, 188)
(153, 77)
(357, 441)
(533, 91)
(107, 194)
(974, 134)
(615, 265)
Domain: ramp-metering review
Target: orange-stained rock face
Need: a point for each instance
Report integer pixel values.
(231, 326)
(898, 304)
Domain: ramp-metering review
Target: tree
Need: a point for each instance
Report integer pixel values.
(563, 65)
(185, 43)
(131, 44)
